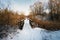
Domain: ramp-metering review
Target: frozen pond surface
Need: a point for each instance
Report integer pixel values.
(33, 34)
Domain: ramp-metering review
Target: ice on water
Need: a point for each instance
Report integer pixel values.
(29, 33)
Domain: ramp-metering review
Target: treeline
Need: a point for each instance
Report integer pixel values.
(8, 17)
(45, 16)
(50, 11)
(9, 20)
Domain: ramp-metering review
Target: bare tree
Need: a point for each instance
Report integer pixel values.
(54, 7)
(37, 8)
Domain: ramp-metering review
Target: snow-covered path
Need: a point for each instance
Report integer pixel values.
(33, 34)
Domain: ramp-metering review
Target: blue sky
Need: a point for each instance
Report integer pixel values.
(22, 5)
(18, 5)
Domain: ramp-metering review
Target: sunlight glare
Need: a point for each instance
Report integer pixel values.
(19, 9)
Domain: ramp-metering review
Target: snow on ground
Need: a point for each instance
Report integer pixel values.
(33, 34)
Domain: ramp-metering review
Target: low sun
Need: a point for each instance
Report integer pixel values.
(21, 9)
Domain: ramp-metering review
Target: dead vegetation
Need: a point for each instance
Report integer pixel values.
(48, 25)
(9, 20)
(49, 20)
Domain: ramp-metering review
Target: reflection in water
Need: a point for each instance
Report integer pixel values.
(32, 34)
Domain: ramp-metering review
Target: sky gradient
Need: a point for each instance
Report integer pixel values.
(18, 5)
